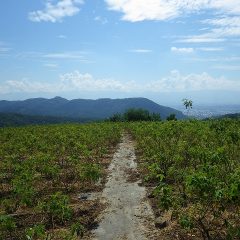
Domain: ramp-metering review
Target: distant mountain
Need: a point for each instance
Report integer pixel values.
(82, 108)
(232, 115)
(16, 119)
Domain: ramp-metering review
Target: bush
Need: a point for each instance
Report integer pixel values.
(36, 232)
(57, 208)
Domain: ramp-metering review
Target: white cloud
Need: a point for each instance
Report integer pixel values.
(224, 26)
(100, 19)
(27, 86)
(192, 82)
(56, 12)
(221, 28)
(192, 50)
(140, 50)
(54, 56)
(218, 59)
(201, 39)
(62, 36)
(65, 55)
(51, 65)
(182, 50)
(224, 21)
(225, 6)
(139, 10)
(227, 67)
(210, 49)
(76, 81)
(86, 82)
(4, 48)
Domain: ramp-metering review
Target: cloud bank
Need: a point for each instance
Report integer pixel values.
(76, 81)
(139, 10)
(225, 21)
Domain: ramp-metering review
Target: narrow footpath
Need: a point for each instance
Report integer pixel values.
(128, 214)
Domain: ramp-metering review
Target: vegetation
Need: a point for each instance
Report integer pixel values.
(171, 117)
(42, 169)
(193, 167)
(195, 170)
(16, 119)
(188, 104)
(233, 115)
(134, 115)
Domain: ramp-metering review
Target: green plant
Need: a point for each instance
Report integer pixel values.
(163, 192)
(38, 161)
(10, 205)
(195, 166)
(23, 187)
(233, 232)
(36, 232)
(186, 221)
(57, 208)
(77, 229)
(90, 172)
(7, 225)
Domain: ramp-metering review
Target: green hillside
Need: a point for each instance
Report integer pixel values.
(16, 119)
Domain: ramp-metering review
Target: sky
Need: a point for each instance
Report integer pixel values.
(164, 50)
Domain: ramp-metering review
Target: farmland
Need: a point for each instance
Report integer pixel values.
(194, 169)
(43, 169)
(191, 168)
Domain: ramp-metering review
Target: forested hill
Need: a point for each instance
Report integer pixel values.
(230, 115)
(17, 119)
(83, 108)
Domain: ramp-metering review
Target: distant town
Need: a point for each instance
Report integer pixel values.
(205, 111)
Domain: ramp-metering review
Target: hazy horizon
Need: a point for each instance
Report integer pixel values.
(161, 50)
(164, 100)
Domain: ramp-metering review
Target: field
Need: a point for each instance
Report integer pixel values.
(194, 169)
(43, 170)
(191, 168)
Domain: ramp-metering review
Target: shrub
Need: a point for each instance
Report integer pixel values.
(7, 225)
(57, 208)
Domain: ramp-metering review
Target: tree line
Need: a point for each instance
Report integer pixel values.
(138, 114)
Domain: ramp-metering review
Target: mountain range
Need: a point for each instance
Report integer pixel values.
(83, 108)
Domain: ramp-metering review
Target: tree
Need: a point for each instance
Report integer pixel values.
(135, 114)
(117, 117)
(132, 115)
(172, 117)
(188, 104)
(155, 117)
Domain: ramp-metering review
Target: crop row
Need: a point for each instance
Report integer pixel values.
(194, 169)
(42, 171)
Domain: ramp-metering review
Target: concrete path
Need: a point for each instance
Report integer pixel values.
(128, 214)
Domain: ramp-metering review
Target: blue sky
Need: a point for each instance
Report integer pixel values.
(163, 50)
